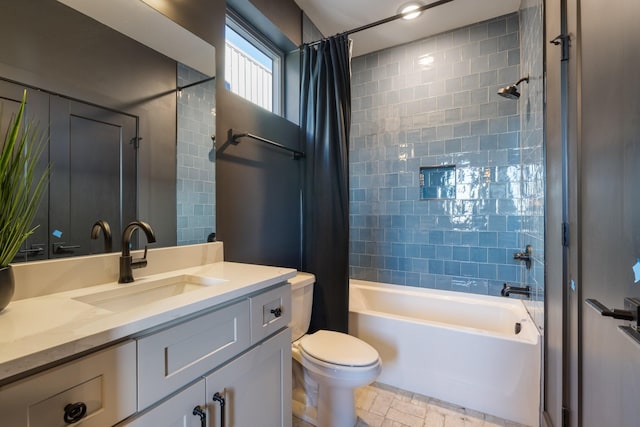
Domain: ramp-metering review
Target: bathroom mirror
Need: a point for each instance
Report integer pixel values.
(85, 78)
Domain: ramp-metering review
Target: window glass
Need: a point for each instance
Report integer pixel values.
(251, 67)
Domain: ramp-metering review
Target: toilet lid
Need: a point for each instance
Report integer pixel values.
(338, 348)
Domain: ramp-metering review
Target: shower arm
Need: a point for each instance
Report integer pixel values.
(524, 79)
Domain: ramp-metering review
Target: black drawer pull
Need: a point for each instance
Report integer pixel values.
(218, 398)
(277, 312)
(200, 413)
(74, 412)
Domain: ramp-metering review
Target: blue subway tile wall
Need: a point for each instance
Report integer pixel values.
(433, 103)
(195, 158)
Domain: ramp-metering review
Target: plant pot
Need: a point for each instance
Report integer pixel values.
(7, 286)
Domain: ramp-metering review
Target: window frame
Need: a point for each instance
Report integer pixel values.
(244, 29)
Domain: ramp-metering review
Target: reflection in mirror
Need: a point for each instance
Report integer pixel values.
(195, 183)
(148, 26)
(91, 80)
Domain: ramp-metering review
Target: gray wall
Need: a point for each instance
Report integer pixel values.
(407, 115)
(258, 187)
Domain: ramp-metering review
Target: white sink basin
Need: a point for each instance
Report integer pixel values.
(135, 294)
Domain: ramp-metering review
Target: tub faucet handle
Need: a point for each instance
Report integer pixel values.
(524, 256)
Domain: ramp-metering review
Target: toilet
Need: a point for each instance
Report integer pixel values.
(327, 366)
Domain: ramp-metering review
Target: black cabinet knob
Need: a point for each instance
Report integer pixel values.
(277, 312)
(74, 412)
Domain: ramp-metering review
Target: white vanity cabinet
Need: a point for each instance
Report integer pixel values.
(241, 354)
(167, 376)
(97, 390)
(253, 389)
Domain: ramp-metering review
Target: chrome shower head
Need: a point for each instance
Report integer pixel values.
(511, 92)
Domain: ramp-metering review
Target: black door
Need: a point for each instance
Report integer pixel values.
(93, 155)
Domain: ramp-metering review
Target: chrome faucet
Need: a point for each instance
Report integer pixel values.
(127, 263)
(106, 230)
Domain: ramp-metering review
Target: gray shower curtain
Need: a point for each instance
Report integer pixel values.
(325, 119)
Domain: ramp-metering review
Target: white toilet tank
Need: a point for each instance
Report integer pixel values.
(301, 301)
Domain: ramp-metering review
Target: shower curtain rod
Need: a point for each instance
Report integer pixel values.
(382, 21)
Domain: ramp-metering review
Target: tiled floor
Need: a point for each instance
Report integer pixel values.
(379, 405)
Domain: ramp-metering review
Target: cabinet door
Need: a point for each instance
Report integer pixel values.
(178, 411)
(256, 387)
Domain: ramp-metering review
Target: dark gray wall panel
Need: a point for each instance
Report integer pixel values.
(258, 187)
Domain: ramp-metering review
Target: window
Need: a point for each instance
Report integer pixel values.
(252, 65)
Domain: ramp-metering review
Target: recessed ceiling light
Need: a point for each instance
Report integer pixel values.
(408, 11)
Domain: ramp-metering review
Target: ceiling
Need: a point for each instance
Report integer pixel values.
(336, 16)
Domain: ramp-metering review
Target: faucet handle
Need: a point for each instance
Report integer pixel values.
(140, 262)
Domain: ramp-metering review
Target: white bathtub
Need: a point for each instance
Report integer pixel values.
(456, 347)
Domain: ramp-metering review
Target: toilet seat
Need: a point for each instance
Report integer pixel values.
(336, 348)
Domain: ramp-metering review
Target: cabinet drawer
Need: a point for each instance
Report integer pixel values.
(104, 382)
(270, 311)
(170, 359)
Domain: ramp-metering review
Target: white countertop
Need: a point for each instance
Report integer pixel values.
(38, 331)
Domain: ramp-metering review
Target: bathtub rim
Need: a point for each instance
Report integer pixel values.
(529, 334)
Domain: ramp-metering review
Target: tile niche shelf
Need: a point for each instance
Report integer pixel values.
(437, 182)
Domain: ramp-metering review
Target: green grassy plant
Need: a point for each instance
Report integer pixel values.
(20, 187)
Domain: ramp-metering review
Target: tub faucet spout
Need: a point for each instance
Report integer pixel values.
(127, 263)
(507, 290)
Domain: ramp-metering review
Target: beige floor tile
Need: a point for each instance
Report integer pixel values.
(491, 421)
(364, 398)
(404, 418)
(380, 405)
(434, 419)
(470, 421)
(409, 408)
(368, 419)
(454, 421)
